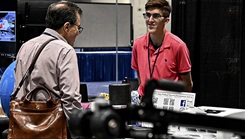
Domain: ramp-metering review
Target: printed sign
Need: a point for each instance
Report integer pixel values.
(177, 101)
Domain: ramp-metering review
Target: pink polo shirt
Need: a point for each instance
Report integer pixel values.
(173, 59)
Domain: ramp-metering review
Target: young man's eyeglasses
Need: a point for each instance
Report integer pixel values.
(154, 16)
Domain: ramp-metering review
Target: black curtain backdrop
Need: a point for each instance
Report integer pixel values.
(214, 34)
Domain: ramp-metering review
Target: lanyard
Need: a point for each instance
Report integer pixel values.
(149, 61)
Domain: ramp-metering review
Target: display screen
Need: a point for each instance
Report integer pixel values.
(8, 26)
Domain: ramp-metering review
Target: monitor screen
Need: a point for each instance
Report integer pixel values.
(7, 26)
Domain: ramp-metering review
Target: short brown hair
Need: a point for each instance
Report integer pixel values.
(61, 12)
(161, 4)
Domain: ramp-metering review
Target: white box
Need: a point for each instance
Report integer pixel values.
(170, 100)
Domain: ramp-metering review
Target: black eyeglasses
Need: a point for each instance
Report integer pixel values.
(79, 28)
(154, 16)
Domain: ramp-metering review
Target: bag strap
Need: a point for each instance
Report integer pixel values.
(31, 67)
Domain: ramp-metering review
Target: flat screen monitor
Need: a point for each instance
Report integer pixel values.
(8, 26)
(8, 37)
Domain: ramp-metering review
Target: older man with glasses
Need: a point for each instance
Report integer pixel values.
(56, 67)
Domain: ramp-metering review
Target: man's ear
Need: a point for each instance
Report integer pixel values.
(66, 26)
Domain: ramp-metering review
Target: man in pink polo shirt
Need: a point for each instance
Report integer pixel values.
(159, 54)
